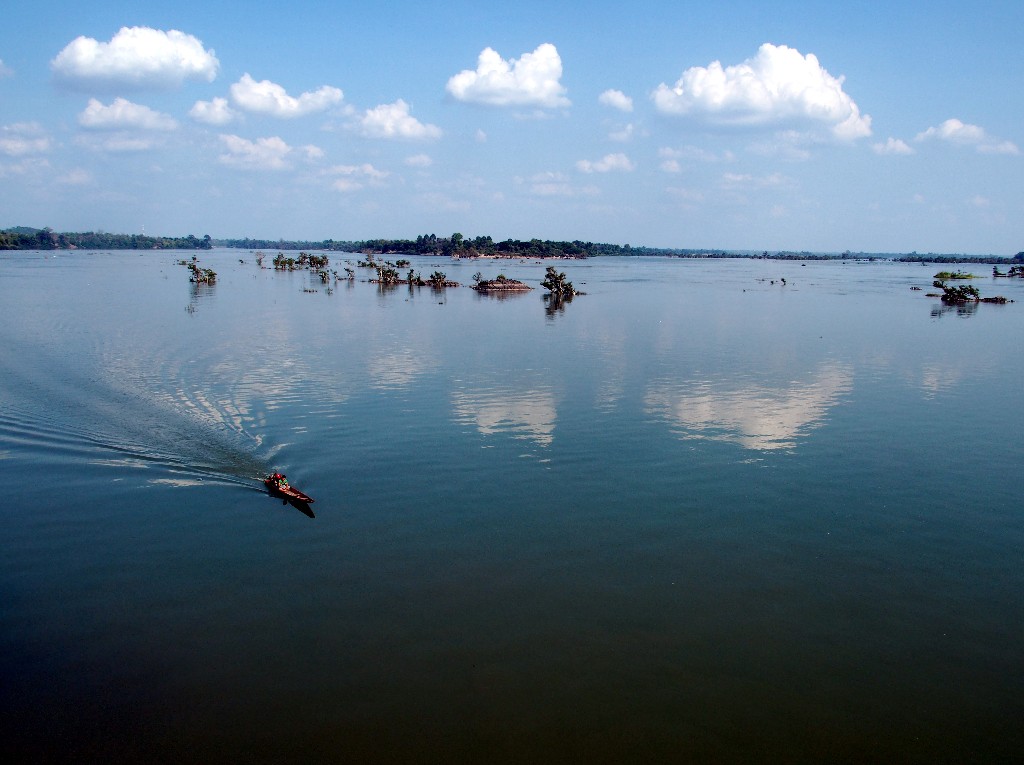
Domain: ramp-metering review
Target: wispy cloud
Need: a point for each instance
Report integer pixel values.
(23, 139)
(672, 159)
(778, 85)
(892, 146)
(120, 142)
(964, 134)
(748, 181)
(530, 80)
(75, 177)
(135, 57)
(607, 164)
(623, 134)
(350, 178)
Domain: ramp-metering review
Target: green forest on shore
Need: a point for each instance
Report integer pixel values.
(456, 245)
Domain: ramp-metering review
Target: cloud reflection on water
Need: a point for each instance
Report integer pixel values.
(757, 417)
(397, 370)
(524, 414)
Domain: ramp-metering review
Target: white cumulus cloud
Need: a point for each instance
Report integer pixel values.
(395, 121)
(124, 115)
(262, 154)
(607, 164)
(962, 133)
(530, 80)
(136, 57)
(778, 85)
(419, 160)
(266, 97)
(22, 139)
(616, 99)
(215, 112)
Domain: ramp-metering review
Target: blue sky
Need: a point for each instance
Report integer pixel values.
(738, 125)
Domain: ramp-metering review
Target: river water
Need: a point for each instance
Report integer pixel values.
(698, 513)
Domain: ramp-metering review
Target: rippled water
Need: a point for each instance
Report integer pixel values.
(695, 514)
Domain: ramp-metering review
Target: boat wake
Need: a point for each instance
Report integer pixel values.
(53, 413)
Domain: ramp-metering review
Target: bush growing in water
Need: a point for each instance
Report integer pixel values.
(199, 275)
(556, 283)
(965, 293)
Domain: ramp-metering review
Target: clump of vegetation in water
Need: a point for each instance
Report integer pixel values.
(954, 275)
(557, 285)
(499, 284)
(964, 293)
(305, 260)
(282, 263)
(199, 275)
(386, 273)
(437, 280)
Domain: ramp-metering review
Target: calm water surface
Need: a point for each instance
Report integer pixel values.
(696, 514)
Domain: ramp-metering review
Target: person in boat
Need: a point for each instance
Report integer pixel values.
(280, 480)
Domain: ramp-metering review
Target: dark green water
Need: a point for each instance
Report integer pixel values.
(694, 515)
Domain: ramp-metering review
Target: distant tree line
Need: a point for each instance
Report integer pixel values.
(468, 247)
(431, 244)
(281, 244)
(23, 238)
(47, 239)
(915, 258)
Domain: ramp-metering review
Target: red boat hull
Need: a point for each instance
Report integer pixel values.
(287, 491)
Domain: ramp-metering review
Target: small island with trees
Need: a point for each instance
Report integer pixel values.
(499, 284)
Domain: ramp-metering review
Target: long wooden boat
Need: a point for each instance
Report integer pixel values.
(288, 492)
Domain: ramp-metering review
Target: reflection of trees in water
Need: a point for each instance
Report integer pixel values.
(960, 309)
(500, 294)
(199, 292)
(554, 305)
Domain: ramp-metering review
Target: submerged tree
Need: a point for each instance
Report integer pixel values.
(556, 284)
(386, 273)
(965, 293)
(199, 275)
